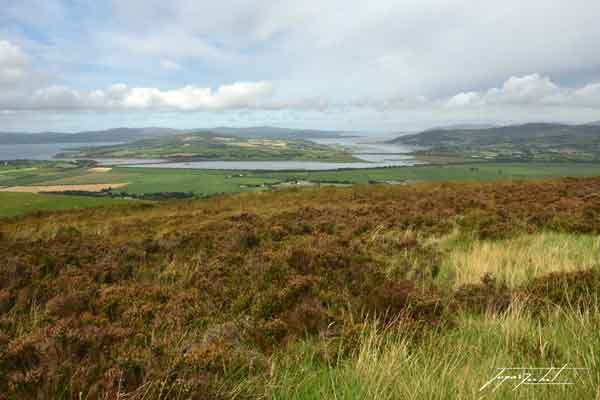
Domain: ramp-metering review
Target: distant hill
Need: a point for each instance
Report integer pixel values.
(535, 141)
(274, 132)
(105, 136)
(133, 134)
(210, 146)
(527, 133)
(465, 126)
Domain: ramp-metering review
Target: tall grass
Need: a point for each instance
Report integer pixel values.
(393, 363)
(519, 259)
(397, 362)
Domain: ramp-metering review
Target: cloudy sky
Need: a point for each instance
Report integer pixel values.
(376, 65)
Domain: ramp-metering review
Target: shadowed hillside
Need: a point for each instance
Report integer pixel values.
(535, 141)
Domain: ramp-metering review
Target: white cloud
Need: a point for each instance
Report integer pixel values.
(522, 90)
(121, 97)
(65, 98)
(13, 64)
(312, 103)
(531, 90)
(170, 65)
(372, 48)
(169, 42)
(588, 95)
(464, 99)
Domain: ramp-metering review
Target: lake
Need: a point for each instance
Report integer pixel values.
(360, 145)
(45, 151)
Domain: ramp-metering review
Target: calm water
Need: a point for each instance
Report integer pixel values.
(276, 165)
(40, 151)
(375, 154)
(360, 145)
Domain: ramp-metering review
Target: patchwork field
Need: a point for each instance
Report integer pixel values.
(379, 291)
(33, 176)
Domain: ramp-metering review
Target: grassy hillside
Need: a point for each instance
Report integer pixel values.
(368, 292)
(541, 142)
(12, 204)
(210, 146)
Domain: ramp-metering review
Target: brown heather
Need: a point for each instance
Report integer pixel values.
(184, 299)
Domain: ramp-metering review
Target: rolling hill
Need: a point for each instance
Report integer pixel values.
(132, 134)
(203, 145)
(104, 136)
(535, 141)
(274, 132)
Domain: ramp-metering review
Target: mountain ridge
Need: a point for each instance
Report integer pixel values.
(532, 141)
(125, 134)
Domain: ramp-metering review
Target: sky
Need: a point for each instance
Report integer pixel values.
(377, 65)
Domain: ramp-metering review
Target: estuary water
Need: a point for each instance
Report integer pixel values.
(274, 165)
(372, 152)
(45, 151)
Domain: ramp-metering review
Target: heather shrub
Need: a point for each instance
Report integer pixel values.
(248, 239)
(490, 295)
(69, 304)
(193, 299)
(577, 289)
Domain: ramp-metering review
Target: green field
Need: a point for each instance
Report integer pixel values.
(207, 182)
(151, 180)
(34, 172)
(12, 204)
(477, 172)
(211, 182)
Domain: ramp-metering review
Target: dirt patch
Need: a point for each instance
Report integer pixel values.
(181, 155)
(100, 169)
(62, 188)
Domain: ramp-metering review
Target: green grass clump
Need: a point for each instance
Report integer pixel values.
(453, 364)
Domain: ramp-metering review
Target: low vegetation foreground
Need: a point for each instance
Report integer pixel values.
(367, 292)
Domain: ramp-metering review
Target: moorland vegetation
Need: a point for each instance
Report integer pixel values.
(385, 292)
